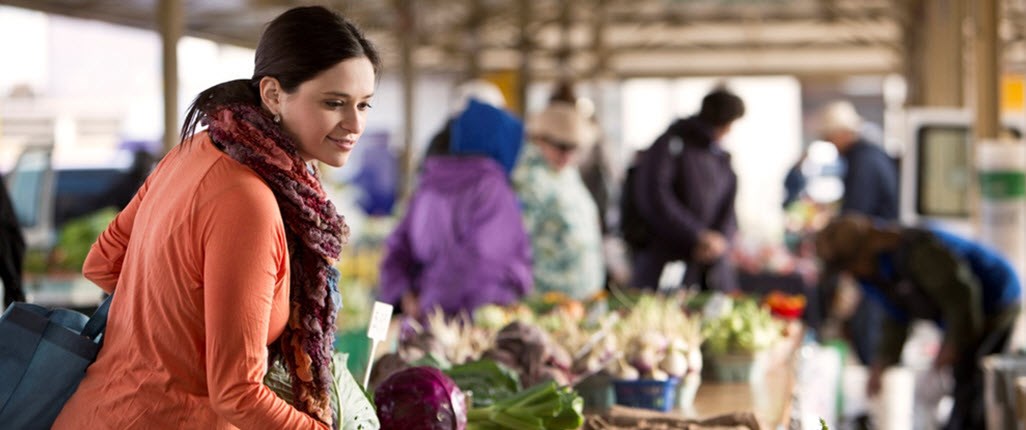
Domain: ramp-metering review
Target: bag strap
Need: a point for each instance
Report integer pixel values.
(98, 322)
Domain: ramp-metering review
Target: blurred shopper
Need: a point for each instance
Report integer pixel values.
(225, 256)
(559, 213)
(12, 250)
(462, 242)
(683, 187)
(478, 89)
(968, 290)
(593, 161)
(871, 176)
(870, 188)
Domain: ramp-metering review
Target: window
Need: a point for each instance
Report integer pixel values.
(942, 177)
(26, 183)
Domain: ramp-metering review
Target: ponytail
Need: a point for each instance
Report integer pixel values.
(242, 91)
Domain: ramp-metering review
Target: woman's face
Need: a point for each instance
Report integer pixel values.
(327, 114)
(559, 155)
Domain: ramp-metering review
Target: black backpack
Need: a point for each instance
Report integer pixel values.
(633, 227)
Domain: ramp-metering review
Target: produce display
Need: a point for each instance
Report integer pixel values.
(738, 326)
(517, 367)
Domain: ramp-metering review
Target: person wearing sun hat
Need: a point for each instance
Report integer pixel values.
(560, 216)
(969, 290)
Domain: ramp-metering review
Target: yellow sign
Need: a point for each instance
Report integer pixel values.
(509, 83)
(1012, 93)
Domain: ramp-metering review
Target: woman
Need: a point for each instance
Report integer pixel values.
(559, 213)
(230, 261)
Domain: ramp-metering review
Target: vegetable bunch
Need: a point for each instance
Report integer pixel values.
(545, 406)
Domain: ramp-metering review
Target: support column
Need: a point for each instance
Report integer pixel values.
(407, 40)
(526, 48)
(987, 74)
(998, 187)
(472, 39)
(172, 24)
(934, 66)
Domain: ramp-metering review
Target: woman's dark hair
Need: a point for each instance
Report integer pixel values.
(294, 48)
(721, 107)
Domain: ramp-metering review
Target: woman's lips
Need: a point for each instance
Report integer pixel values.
(343, 144)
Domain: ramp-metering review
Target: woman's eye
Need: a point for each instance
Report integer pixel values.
(335, 104)
(364, 106)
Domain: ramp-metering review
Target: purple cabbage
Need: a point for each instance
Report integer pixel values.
(420, 398)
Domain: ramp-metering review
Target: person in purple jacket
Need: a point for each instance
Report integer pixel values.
(462, 243)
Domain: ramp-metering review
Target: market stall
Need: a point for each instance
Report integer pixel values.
(679, 359)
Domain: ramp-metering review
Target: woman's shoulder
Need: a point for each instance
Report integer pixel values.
(223, 179)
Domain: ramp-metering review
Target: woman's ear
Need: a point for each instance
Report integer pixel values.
(271, 94)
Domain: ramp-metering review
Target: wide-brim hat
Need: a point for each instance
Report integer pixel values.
(839, 116)
(563, 123)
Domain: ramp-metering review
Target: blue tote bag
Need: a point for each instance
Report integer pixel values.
(44, 354)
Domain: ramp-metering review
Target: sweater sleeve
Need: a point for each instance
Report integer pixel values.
(245, 261)
(103, 263)
(726, 217)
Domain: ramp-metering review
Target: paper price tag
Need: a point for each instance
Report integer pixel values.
(381, 316)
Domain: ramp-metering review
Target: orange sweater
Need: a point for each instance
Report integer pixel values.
(200, 264)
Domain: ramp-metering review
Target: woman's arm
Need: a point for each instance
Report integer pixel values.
(245, 264)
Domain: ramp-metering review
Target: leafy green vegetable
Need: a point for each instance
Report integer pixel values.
(350, 402)
(542, 407)
(487, 380)
(77, 237)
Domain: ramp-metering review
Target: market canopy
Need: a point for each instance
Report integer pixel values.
(621, 38)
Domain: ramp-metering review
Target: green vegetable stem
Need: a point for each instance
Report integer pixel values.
(545, 406)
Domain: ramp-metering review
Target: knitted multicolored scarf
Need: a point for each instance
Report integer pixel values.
(315, 232)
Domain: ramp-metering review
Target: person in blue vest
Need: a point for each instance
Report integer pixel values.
(970, 291)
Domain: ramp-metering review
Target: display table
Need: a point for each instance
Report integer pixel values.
(769, 392)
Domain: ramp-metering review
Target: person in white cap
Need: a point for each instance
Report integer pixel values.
(559, 213)
(870, 189)
(871, 177)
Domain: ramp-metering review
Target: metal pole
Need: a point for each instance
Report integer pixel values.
(404, 9)
(172, 25)
(526, 46)
(472, 41)
(988, 72)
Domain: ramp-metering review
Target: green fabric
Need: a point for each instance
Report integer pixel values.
(951, 284)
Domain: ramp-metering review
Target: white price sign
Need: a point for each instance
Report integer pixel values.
(377, 330)
(381, 316)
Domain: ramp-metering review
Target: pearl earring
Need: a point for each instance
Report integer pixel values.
(277, 118)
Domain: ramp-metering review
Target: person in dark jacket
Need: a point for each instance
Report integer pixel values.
(871, 177)
(970, 291)
(684, 189)
(12, 250)
(871, 189)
